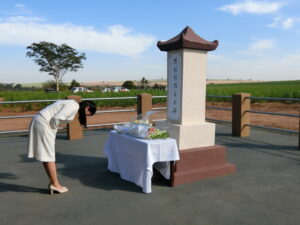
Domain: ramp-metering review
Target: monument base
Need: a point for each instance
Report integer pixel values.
(201, 163)
(190, 136)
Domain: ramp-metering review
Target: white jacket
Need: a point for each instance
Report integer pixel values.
(62, 111)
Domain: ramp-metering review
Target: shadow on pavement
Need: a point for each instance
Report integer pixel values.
(92, 172)
(6, 187)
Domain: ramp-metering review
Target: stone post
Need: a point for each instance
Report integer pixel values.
(240, 116)
(299, 133)
(1, 100)
(144, 103)
(74, 129)
(200, 158)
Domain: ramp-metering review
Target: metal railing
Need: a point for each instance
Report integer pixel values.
(161, 108)
(274, 114)
(276, 99)
(259, 112)
(218, 108)
(53, 100)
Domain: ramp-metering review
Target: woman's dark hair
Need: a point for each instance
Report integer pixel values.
(82, 105)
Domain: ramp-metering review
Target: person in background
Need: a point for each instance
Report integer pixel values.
(43, 129)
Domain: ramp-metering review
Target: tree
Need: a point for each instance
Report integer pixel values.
(18, 86)
(128, 84)
(55, 59)
(5, 87)
(159, 86)
(74, 83)
(144, 81)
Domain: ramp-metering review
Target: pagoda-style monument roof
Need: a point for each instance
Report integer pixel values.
(187, 39)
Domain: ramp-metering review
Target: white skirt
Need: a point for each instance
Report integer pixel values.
(41, 140)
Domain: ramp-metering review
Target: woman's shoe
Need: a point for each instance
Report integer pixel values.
(53, 189)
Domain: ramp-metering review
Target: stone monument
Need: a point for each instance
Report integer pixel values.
(200, 158)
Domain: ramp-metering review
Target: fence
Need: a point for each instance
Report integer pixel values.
(241, 109)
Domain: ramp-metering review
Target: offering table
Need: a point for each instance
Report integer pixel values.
(134, 158)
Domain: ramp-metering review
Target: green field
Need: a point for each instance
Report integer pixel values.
(29, 85)
(277, 89)
(41, 95)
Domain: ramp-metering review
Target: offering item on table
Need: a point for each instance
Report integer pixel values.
(155, 133)
(122, 129)
(140, 127)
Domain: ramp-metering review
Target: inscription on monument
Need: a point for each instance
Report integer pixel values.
(174, 86)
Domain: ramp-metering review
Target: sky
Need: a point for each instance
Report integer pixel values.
(258, 39)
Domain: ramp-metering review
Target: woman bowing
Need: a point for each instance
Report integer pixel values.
(43, 129)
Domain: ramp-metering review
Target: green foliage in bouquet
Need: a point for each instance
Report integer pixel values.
(155, 133)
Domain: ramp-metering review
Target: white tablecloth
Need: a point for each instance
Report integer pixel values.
(133, 158)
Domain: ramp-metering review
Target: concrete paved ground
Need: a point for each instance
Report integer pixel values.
(265, 190)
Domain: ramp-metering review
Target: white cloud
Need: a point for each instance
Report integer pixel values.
(250, 6)
(18, 9)
(20, 6)
(21, 19)
(262, 44)
(117, 39)
(288, 23)
(257, 47)
(284, 23)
